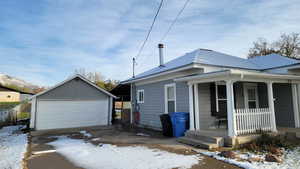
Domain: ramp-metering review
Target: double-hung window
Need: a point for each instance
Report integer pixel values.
(251, 95)
(221, 98)
(170, 98)
(140, 96)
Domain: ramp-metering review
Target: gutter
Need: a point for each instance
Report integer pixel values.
(177, 69)
(242, 74)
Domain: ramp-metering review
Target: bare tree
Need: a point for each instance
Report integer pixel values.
(261, 47)
(287, 45)
(92, 76)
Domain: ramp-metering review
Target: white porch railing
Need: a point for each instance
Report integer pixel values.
(9, 116)
(250, 121)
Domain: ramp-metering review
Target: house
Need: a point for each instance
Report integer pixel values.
(12, 95)
(75, 102)
(248, 95)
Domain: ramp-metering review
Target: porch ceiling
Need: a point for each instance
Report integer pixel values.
(240, 75)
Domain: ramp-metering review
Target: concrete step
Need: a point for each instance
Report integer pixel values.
(197, 143)
(205, 138)
(298, 135)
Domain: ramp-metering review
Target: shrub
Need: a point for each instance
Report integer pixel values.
(267, 143)
(23, 115)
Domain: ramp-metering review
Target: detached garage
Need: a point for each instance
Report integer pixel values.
(76, 102)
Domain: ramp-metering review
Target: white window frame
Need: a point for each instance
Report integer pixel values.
(217, 96)
(246, 100)
(166, 96)
(138, 96)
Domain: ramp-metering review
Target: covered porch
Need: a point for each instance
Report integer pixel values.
(240, 103)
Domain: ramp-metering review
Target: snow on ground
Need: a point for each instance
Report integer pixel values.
(12, 147)
(107, 156)
(291, 160)
(85, 133)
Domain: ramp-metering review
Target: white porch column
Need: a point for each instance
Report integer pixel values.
(271, 105)
(191, 104)
(230, 109)
(196, 104)
(295, 93)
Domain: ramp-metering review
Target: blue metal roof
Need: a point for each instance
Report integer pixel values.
(272, 61)
(210, 57)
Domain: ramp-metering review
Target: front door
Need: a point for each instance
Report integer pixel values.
(251, 95)
(283, 104)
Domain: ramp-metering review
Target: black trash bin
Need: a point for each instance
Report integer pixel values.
(166, 125)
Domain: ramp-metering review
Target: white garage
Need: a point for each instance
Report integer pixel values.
(73, 103)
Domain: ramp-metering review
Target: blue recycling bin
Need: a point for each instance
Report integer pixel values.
(180, 123)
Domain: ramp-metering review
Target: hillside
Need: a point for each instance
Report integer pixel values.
(16, 83)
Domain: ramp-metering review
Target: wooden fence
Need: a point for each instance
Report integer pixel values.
(9, 116)
(250, 121)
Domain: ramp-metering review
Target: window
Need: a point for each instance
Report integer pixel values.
(221, 98)
(140, 96)
(251, 96)
(8, 96)
(170, 98)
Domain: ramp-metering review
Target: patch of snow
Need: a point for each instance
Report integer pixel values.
(85, 133)
(143, 134)
(13, 146)
(107, 156)
(96, 139)
(291, 160)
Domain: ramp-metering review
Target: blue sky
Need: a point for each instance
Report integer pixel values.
(44, 41)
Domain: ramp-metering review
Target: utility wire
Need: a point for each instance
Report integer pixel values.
(175, 20)
(144, 43)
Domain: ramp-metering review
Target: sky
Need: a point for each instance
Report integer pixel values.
(45, 41)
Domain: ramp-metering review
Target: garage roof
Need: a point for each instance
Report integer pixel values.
(71, 78)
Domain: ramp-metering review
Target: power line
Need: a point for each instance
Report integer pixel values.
(175, 20)
(144, 43)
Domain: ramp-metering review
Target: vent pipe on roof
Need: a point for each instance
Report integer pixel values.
(161, 54)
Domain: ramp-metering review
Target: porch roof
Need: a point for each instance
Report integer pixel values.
(240, 75)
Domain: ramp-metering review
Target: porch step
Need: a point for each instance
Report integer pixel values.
(205, 137)
(197, 143)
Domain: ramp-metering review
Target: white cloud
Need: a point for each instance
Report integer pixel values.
(44, 43)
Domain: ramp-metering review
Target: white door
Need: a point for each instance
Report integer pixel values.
(70, 114)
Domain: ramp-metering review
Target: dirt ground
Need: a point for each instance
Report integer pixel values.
(116, 136)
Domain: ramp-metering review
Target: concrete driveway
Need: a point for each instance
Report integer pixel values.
(41, 155)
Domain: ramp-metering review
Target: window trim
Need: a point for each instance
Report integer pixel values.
(166, 96)
(246, 100)
(138, 96)
(217, 96)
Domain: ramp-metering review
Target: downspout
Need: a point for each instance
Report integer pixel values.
(132, 103)
(35, 113)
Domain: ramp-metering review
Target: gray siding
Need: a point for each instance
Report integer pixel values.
(182, 97)
(283, 105)
(154, 103)
(75, 89)
(206, 120)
